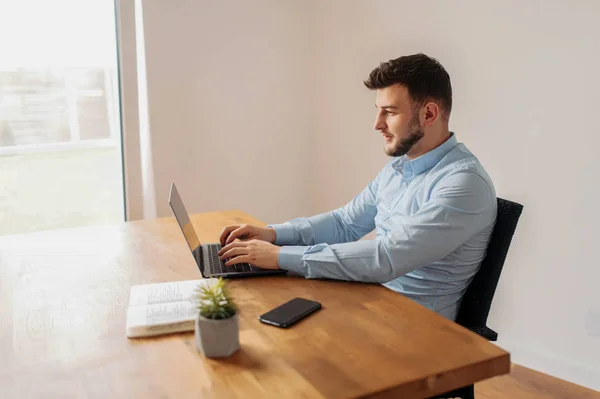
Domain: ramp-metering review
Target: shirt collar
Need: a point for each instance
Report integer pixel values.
(411, 168)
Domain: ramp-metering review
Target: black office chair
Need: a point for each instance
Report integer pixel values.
(475, 306)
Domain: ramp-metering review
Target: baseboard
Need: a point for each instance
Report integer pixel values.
(554, 366)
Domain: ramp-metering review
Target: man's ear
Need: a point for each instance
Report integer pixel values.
(432, 113)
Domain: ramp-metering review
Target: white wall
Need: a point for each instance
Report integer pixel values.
(526, 95)
(228, 103)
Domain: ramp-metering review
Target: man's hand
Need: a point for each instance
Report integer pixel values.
(246, 232)
(256, 252)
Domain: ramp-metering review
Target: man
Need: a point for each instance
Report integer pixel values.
(433, 206)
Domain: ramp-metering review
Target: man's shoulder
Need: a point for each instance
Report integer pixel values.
(460, 160)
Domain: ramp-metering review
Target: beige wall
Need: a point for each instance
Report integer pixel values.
(526, 93)
(229, 93)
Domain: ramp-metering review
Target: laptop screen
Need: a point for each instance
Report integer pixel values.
(182, 218)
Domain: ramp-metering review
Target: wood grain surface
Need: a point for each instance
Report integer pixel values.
(63, 301)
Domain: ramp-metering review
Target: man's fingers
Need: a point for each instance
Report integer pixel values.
(225, 233)
(234, 252)
(237, 233)
(234, 244)
(238, 259)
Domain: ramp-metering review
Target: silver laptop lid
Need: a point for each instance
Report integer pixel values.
(183, 219)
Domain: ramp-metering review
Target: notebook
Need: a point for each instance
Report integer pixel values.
(162, 308)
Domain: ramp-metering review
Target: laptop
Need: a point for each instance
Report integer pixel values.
(205, 255)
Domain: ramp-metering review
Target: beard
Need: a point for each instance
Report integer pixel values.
(404, 145)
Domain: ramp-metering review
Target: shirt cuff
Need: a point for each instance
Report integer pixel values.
(290, 258)
(284, 233)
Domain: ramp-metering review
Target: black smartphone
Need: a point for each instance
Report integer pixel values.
(290, 312)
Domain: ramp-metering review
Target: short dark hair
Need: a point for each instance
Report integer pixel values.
(424, 78)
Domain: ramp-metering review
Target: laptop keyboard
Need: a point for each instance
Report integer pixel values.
(218, 267)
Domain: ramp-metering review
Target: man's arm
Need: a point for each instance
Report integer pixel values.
(345, 224)
(460, 206)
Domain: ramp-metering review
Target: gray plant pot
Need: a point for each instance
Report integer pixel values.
(217, 338)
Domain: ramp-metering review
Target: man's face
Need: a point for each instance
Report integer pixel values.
(397, 120)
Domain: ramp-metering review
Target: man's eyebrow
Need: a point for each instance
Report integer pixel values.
(386, 107)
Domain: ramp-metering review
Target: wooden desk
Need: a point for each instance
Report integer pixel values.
(63, 300)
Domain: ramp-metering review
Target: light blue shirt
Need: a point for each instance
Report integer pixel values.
(433, 218)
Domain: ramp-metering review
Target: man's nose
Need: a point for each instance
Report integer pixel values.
(379, 123)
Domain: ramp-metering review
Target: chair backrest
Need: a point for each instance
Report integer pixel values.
(475, 306)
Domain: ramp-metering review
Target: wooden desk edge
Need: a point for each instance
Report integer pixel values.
(448, 381)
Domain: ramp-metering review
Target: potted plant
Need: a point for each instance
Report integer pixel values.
(217, 326)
